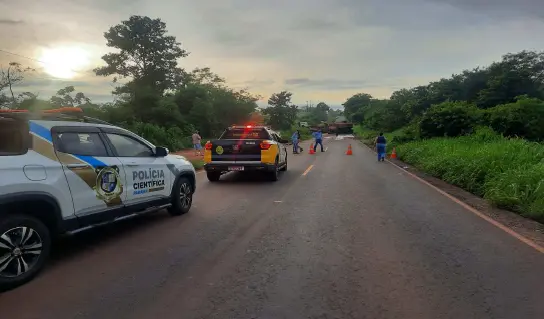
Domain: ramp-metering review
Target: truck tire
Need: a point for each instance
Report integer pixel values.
(25, 244)
(213, 176)
(284, 167)
(273, 176)
(182, 197)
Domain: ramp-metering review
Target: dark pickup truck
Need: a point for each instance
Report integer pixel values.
(246, 148)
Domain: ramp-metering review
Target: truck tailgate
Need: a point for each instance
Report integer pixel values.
(245, 150)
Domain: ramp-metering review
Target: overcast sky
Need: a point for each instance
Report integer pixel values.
(321, 50)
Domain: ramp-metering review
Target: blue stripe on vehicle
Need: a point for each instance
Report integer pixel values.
(41, 131)
(45, 133)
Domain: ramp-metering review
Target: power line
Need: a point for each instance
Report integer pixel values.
(36, 60)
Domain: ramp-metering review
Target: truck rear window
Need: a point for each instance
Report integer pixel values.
(247, 133)
(14, 137)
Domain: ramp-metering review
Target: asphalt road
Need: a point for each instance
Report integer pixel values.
(352, 238)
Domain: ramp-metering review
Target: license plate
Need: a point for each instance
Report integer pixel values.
(236, 168)
(235, 147)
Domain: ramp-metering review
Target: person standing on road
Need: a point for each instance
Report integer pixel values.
(380, 143)
(318, 139)
(299, 147)
(197, 139)
(295, 138)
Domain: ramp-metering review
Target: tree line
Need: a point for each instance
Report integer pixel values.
(506, 96)
(155, 97)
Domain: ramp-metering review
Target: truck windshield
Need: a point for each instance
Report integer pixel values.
(245, 133)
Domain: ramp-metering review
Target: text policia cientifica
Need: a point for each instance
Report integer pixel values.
(141, 178)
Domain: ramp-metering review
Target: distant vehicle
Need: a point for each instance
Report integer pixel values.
(246, 148)
(303, 124)
(337, 128)
(63, 172)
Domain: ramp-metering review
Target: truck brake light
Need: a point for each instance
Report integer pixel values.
(208, 146)
(265, 145)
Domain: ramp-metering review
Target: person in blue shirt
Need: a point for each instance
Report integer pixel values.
(296, 139)
(318, 139)
(381, 144)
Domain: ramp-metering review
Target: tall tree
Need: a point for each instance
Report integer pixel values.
(355, 103)
(147, 55)
(281, 113)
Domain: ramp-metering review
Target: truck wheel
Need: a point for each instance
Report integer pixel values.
(182, 198)
(213, 176)
(274, 174)
(25, 244)
(284, 167)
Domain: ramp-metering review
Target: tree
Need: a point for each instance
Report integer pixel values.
(321, 112)
(146, 55)
(203, 76)
(10, 77)
(64, 98)
(281, 114)
(355, 103)
(449, 119)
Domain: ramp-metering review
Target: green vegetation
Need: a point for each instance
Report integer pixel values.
(507, 172)
(197, 163)
(157, 99)
(481, 130)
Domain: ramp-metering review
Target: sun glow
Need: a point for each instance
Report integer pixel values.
(64, 62)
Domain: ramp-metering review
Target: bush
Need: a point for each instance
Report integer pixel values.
(305, 133)
(407, 134)
(507, 172)
(524, 118)
(363, 133)
(449, 119)
(173, 138)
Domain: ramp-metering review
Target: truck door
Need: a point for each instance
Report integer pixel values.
(95, 177)
(148, 176)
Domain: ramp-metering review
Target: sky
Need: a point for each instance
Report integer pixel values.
(321, 50)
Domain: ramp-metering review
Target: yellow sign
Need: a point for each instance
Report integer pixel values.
(219, 150)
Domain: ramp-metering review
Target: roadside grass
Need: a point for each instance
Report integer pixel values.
(509, 173)
(197, 163)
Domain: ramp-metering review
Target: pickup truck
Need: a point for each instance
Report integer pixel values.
(246, 148)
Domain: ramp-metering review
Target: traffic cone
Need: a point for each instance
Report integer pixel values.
(311, 150)
(349, 151)
(394, 153)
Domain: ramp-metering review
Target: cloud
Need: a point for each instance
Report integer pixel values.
(327, 84)
(10, 22)
(319, 49)
(499, 8)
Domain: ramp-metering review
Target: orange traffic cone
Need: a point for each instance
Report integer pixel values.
(394, 153)
(311, 150)
(349, 151)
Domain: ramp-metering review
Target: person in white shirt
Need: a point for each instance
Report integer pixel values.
(197, 143)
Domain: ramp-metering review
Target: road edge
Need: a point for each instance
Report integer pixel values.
(528, 231)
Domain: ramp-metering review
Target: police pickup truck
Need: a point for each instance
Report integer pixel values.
(246, 148)
(63, 172)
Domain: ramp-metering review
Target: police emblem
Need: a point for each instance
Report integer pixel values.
(219, 150)
(108, 184)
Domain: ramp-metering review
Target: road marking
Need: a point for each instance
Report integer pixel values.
(307, 170)
(476, 212)
(326, 148)
(278, 201)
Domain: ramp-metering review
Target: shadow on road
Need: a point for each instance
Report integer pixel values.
(72, 246)
(246, 178)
